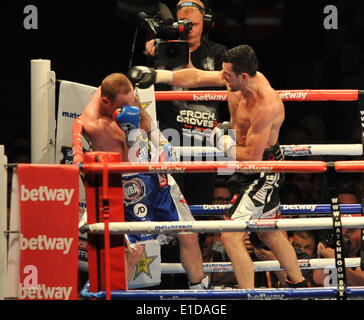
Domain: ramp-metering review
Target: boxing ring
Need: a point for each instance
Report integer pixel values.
(326, 216)
(230, 226)
(331, 212)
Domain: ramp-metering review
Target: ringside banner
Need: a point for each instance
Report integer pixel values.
(48, 232)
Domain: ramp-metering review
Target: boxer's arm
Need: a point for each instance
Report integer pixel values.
(194, 78)
(144, 77)
(77, 141)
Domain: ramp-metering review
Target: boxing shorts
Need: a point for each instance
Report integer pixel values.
(256, 196)
(153, 197)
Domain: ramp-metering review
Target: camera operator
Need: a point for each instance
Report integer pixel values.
(206, 55)
(351, 246)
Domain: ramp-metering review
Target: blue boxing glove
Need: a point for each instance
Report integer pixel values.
(222, 137)
(128, 119)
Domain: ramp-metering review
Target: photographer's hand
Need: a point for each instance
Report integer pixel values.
(325, 252)
(248, 245)
(264, 255)
(150, 47)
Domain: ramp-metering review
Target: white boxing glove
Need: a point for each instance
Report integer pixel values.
(222, 137)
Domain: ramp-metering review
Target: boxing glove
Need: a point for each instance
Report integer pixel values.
(143, 77)
(128, 119)
(222, 137)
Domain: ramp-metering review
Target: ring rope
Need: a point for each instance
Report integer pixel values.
(286, 95)
(228, 166)
(202, 166)
(222, 226)
(286, 209)
(243, 294)
(269, 265)
(288, 150)
(349, 166)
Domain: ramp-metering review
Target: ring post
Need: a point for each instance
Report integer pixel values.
(3, 222)
(106, 216)
(43, 122)
(361, 117)
(104, 201)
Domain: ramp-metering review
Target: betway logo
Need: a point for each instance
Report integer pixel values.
(209, 97)
(307, 207)
(44, 292)
(42, 242)
(293, 95)
(43, 193)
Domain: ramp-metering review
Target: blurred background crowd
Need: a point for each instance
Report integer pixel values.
(87, 40)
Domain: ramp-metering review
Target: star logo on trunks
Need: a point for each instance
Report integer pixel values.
(143, 266)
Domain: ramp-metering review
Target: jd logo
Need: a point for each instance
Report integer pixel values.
(140, 210)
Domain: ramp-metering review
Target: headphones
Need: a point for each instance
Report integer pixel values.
(208, 22)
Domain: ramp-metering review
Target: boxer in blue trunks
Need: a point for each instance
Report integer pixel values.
(153, 197)
(152, 192)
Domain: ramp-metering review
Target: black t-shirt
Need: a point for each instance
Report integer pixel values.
(188, 116)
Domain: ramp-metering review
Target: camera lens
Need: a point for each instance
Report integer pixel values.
(172, 50)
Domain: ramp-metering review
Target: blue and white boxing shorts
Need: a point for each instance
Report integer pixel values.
(153, 197)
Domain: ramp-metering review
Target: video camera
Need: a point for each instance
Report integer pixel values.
(171, 49)
(327, 238)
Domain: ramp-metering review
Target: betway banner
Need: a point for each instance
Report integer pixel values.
(44, 252)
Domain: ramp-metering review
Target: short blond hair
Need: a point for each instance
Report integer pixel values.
(113, 84)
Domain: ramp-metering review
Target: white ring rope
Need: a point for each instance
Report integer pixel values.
(223, 226)
(269, 265)
(286, 209)
(288, 150)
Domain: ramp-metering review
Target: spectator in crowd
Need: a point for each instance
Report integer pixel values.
(290, 194)
(303, 240)
(316, 128)
(211, 246)
(311, 185)
(354, 276)
(221, 193)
